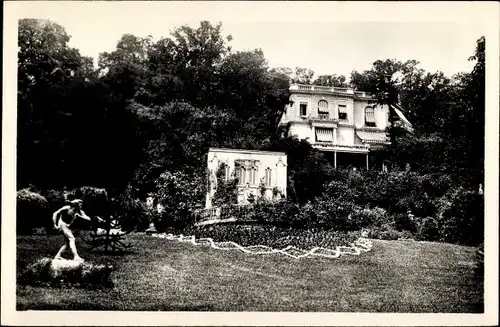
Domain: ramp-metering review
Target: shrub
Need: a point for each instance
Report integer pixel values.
(55, 199)
(31, 211)
(323, 212)
(428, 229)
(132, 213)
(95, 200)
(51, 272)
(226, 193)
(461, 217)
(388, 232)
(178, 193)
(334, 208)
(405, 221)
(369, 217)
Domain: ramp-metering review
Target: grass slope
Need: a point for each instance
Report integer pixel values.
(169, 275)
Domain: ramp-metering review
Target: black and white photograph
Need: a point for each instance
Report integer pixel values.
(281, 159)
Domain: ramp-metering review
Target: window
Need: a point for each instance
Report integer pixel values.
(323, 109)
(240, 174)
(323, 106)
(252, 175)
(324, 134)
(268, 177)
(370, 116)
(342, 112)
(303, 109)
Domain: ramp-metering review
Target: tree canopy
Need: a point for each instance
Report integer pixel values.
(151, 106)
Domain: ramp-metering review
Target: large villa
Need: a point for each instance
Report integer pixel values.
(340, 121)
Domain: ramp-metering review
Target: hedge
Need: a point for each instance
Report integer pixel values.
(31, 211)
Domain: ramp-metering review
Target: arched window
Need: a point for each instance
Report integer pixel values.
(323, 109)
(268, 180)
(252, 178)
(370, 117)
(240, 174)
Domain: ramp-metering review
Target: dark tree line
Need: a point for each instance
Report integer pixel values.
(150, 107)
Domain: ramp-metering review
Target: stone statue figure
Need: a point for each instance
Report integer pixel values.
(63, 219)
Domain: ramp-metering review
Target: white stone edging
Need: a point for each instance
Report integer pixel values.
(357, 247)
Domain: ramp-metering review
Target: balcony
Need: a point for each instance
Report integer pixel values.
(322, 117)
(364, 95)
(330, 146)
(321, 89)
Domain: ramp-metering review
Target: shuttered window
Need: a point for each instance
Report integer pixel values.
(323, 107)
(324, 134)
(370, 116)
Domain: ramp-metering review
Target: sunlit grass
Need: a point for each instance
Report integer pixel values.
(170, 275)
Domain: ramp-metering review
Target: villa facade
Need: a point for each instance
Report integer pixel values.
(340, 121)
(254, 170)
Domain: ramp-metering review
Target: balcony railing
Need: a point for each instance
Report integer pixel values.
(352, 146)
(363, 94)
(323, 117)
(240, 212)
(315, 88)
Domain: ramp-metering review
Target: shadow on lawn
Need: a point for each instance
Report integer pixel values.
(97, 307)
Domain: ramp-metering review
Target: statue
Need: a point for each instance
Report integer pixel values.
(63, 218)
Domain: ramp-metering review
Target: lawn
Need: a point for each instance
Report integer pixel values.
(396, 276)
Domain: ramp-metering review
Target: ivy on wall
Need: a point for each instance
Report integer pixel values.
(226, 191)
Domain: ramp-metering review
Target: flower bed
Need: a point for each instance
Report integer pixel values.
(274, 237)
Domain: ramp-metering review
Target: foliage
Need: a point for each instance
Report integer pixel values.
(226, 191)
(55, 199)
(46, 272)
(439, 210)
(447, 113)
(31, 211)
(330, 80)
(388, 232)
(461, 217)
(178, 193)
(308, 169)
(95, 200)
(370, 217)
(131, 212)
(428, 229)
(156, 106)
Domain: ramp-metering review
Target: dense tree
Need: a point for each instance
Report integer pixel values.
(303, 76)
(151, 107)
(330, 80)
(52, 78)
(447, 114)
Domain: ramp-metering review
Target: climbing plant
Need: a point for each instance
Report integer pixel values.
(227, 188)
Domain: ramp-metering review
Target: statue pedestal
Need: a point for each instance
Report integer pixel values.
(151, 229)
(60, 266)
(63, 271)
